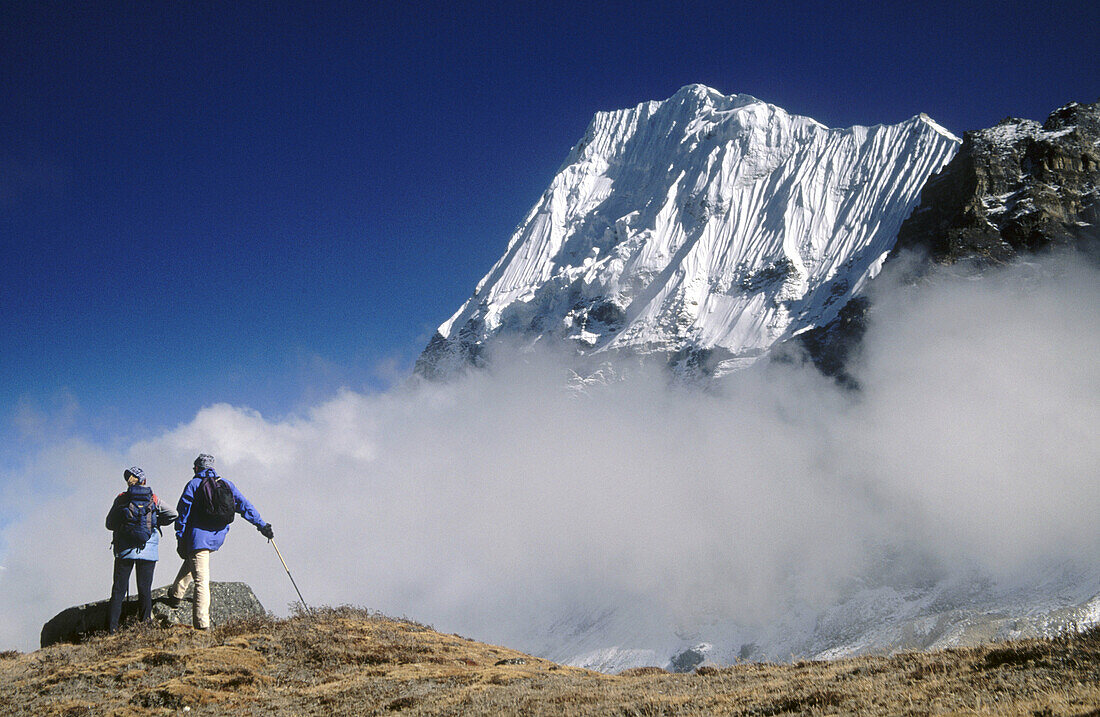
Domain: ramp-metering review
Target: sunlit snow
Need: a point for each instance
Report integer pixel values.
(705, 221)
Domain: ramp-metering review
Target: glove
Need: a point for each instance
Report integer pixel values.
(180, 550)
(266, 531)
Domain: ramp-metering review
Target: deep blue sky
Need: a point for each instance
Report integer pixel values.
(260, 202)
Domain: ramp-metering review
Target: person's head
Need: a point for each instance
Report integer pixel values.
(134, 476)
(203, 462)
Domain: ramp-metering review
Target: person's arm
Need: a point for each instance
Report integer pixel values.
(183, 508)
(165, 516)
(246, 509)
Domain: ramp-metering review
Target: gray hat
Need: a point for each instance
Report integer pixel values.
(135, 472)
(204, 461)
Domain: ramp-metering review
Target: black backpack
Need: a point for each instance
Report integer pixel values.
(215, 502)
(136, 517)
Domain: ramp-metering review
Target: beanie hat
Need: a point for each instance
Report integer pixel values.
(135, 472)
(204, 461)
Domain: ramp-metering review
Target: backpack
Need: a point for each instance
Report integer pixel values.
(215, 502)
(136, 517)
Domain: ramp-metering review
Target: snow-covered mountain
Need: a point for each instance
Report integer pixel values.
(702, 225)
(706, 229)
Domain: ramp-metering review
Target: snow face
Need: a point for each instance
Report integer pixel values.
(704, 221)
(875, 619)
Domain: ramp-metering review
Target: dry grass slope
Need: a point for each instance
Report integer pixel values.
(353, 662)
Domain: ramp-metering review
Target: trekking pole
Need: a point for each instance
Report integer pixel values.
(272, 541)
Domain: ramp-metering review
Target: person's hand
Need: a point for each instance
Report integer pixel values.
(266, 531)
(180, 550)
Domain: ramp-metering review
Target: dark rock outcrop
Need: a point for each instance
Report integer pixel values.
(834, 347)
(445, 357)
(1019, 187)
(1014, 190)
(688, 660)
(228, 601)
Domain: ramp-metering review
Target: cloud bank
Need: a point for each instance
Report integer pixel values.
(496, 504)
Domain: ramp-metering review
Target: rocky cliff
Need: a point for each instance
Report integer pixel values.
(1014, 190)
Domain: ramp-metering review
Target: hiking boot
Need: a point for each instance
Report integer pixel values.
(172, 602)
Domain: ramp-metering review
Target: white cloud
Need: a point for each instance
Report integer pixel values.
(494, 503)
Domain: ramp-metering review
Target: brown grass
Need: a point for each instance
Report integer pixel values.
(355, 662)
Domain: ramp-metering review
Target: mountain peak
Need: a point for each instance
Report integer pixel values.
(708, 96)
(925, 119)
(705, 225)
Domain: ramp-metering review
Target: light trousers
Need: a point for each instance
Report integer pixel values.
(196, 568)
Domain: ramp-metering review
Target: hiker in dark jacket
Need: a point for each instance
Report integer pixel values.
(135, 514)
(198, 535)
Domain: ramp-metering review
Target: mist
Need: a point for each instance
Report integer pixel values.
(496, 504)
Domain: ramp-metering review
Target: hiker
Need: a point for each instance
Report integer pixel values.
(135, 519)
(207, 507)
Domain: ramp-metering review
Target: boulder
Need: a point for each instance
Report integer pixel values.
(228, 601)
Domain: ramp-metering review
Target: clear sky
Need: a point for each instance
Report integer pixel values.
(261, 202)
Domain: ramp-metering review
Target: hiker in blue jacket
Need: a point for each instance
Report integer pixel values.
(134, 520)
(201, 529)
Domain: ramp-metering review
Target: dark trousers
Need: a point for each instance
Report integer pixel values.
(123, 566)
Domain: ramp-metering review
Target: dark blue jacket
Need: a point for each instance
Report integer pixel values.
(189, 529)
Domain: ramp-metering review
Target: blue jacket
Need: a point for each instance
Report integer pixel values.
(150, 551)
(193, 536)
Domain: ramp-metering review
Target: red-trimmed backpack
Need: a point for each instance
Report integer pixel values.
(136, 518)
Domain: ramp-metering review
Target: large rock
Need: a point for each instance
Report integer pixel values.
(228, 601)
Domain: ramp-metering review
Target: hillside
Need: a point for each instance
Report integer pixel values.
(352, 661)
